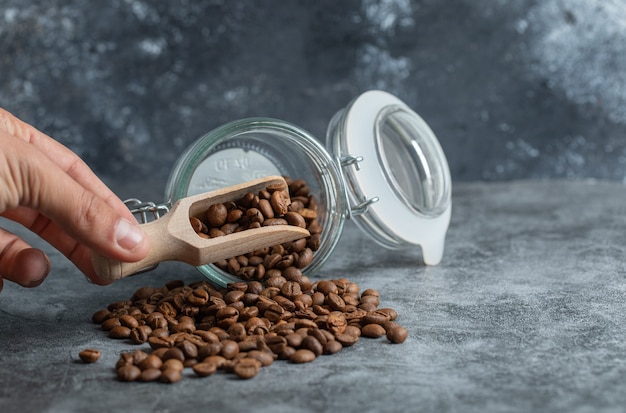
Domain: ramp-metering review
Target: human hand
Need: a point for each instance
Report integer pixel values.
(48, 189)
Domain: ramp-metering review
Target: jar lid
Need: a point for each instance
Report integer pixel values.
(397, 176)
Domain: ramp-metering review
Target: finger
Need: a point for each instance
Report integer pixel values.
(21, 263)
(83, 215)
(58, 238)
(64, 158)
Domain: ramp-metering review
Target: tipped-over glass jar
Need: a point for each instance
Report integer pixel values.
(382, 166)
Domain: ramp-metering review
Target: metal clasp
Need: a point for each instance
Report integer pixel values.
(145, 212)
(364, 205)
(142, 210)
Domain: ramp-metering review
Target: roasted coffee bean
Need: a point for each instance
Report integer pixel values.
(89, 355)
(124, 360)
(216, 215)
(332, 347)
(276, 343)
(110, 323)
(205, 368)
(172, 364)
(247, 368)
(373, 330)
(313, 344)
(346, 340)
(189, 349)
(140, 334)
(157, 342)
(294, 218)
(352, 330)
(196, 224)
(100, 316)
(335, 302)
(376, 317)
(372, 299)
(264, 357)
(150, 374)
(150, 362)
(128, 372)
(119, 332)
(393, 314)
(397, 334)
(170, 376)
(174, 353)
(230, 349)
(119, 304)
(302, 356)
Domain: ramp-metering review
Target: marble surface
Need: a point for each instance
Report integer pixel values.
(525, 313)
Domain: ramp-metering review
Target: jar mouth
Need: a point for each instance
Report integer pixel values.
(256, 147)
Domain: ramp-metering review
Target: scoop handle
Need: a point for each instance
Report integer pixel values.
(163, 247)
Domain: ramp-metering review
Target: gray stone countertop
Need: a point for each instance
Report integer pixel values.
(525, 313)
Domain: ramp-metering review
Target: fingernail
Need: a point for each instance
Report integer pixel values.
(35, 266)
(127, 235)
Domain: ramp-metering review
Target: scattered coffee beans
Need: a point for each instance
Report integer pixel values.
(241, 328)
(269, 207)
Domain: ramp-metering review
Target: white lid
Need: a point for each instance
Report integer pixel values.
(401, 175)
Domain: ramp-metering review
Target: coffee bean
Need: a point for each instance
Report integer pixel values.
(376, 317)
(393, 314)
(312, 344)
(172, 364)
(150, 362)
(196, 224)
(346, 340)
(110, 323)
(205, 368)
(247, 368)
(397, 334)
(119, 332)
(140, 334)
(174, 353)
(230, 349)
(332, 347)
(264, 357)
(89, 355)
(302, 356)
(128, 372)
(138, 356)
(294, 218)
(150, 374)
(373, 330)
(100, 316)
(170, 375)
(216, 215)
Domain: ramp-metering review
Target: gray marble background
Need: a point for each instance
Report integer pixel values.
(513, 88)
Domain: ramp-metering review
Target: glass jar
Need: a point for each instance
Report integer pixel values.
(385, 170)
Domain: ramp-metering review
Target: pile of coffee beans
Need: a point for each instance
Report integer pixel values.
(275, 205)
(243, 327)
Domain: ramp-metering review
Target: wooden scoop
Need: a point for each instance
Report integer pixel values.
(173, 239)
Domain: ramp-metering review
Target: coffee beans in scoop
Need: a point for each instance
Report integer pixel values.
(277, 204)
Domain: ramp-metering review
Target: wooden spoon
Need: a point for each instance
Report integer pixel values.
(173, 239)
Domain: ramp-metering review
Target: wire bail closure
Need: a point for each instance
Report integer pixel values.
(141, 210)
(364, 205)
